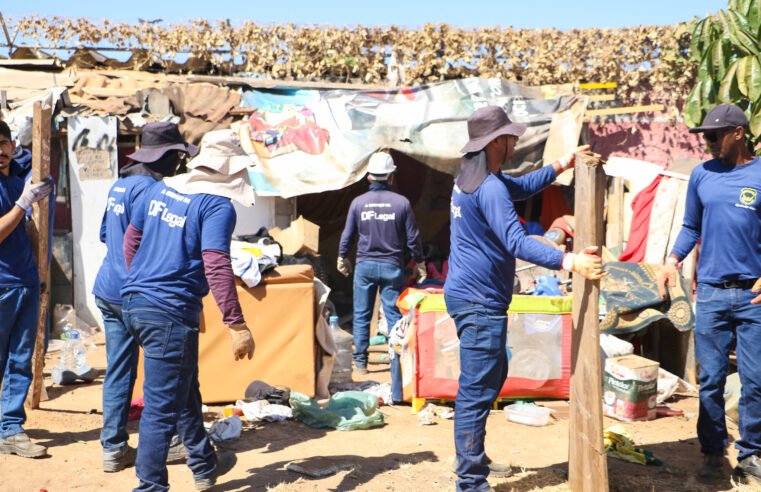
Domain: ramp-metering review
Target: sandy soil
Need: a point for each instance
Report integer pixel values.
(402, 456)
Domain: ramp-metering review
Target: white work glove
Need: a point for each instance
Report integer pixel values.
(243, 342)
(421, 272)
(344, 266)
(587, 263)
(34, 192)
(569, 161)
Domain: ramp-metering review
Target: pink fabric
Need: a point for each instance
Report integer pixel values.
(642, 206)
(219, 275)
(132, 238)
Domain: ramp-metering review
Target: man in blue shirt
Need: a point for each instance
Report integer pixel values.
(158, 157)
(177, 248)
(486, 238)
(19, 299)
(385, 223)
(723, 210)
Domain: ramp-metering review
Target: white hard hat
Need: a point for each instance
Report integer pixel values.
(381, 165)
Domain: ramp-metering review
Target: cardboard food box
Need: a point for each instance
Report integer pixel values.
(301, 237)
(630, 387)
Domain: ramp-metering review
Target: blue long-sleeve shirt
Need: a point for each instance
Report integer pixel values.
(385, 224)
(523, 187)
(723, 208)
(486, 238)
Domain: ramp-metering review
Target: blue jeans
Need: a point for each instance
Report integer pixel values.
(726, 319)
(483, 370)
(121, 371)
(19, 310)
(171, 393)
(368, 277)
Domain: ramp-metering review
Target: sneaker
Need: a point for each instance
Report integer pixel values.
(225, 462)
(20, 444)
(712, 469)
(177, 451)
(362, 371)
(496, 470)
(114, 461)
(748, 471)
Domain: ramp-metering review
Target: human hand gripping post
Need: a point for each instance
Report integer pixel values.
(243, 341)
(588, 263)
(34, 192)
(569, 161)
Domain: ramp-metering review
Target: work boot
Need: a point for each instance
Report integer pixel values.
(496, 470)
(114, 461)
(225, 462)
(748, 471)
(362, 371)
(177, 452)
(21, 445)
(712, 469)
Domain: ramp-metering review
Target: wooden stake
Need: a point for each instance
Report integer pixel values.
(40, 240)
(587, 463)
(615, 230)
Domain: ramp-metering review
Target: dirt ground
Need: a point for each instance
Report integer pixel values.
(402, 456)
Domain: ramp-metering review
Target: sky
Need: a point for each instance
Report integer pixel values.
(561, 14)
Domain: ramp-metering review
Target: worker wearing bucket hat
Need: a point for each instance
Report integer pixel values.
(486, 239)
(385, 224)
(723, 211)
(158, 157)
(177, 248)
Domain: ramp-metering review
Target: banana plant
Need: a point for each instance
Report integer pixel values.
(727, 49)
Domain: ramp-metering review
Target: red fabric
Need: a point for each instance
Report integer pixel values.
(136, 409)
(563, 225)
(554, 205)
(642, 206)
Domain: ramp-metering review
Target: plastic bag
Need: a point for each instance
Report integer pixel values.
(348, 410)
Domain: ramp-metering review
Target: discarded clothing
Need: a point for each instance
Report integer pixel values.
(619, 444)
(264, 411)
(225, 430)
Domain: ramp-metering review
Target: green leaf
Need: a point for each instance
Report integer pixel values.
(708, 93)
(755, 122)
(754, 16)
(705, 69)
(719, 57)
(753, 78)
(743, 32)
(731, 28)
(742, 79)
(741, 6)
(728, 90)
(693, 106)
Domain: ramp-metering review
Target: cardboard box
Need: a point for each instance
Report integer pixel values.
(301, 237)
(630, 387)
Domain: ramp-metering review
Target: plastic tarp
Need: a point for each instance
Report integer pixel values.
(347, 410)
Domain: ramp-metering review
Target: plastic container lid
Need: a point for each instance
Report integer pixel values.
(528, 414)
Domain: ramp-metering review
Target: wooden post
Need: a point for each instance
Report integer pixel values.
(40, 240)
(587, 463)
(614, 234)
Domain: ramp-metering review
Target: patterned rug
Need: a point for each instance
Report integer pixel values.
(633, 302)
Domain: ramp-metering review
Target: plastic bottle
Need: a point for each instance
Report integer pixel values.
(342, 362)
(74, 353)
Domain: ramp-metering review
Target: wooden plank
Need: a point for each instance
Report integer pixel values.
(591, 113)
(614, 232)
(586, 455)
(601, 97)
(40, 221)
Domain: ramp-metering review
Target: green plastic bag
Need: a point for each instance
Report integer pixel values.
(347, 410)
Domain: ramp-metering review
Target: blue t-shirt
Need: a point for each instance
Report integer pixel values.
(123, 199)
(168, 266)
(385, 223)
(17, 265)
(487, 237)
(723, 208)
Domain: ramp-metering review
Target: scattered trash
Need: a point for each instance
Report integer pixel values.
(445, 413)
(136, 409)
(317, 473)
(528, 414)
(259, 390)
(264, 411)
(426, 415)
(630, 386)
(381, 390)
(226, 429)
(668, 384)
(378, 340)
(349, 410)
(619, 444)
(230, 410)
